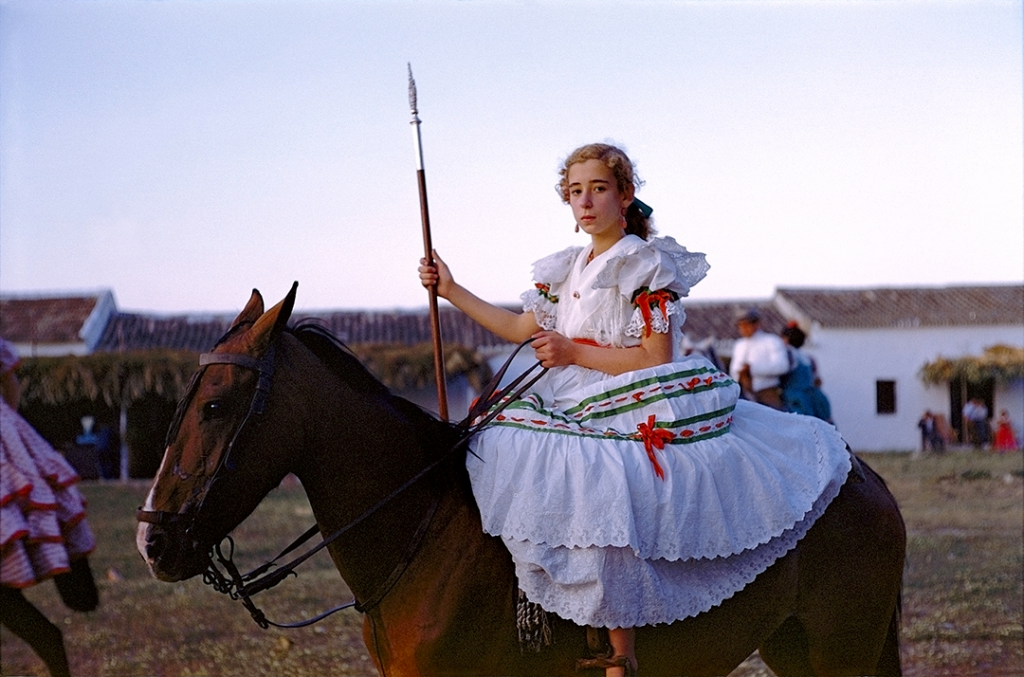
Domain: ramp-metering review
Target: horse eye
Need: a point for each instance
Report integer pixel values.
(213, 409)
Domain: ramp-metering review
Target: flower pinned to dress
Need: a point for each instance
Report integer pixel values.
(545, 291)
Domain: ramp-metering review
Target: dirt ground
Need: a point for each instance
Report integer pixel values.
(962, 615)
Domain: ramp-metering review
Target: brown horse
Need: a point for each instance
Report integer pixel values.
(437, 594)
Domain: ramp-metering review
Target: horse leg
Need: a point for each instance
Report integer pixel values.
(847, 612)
(786, 651)
(889, 663)
(28, 623)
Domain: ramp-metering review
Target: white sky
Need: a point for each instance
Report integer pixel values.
(183, 152)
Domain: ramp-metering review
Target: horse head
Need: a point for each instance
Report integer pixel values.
(215, 470)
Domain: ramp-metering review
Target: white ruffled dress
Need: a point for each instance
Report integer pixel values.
(654, 495)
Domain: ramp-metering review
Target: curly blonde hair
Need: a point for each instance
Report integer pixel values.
(625, 179)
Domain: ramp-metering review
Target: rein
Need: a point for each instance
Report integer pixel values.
(243, 587)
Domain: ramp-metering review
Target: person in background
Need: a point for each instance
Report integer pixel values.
(801, 392)
(759, 360)
(975, 422)
(931, 434)
(43, 527)
(1005, 439)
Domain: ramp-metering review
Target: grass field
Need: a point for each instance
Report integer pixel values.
(963, 589)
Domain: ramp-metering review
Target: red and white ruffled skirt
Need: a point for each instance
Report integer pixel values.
(42, 512)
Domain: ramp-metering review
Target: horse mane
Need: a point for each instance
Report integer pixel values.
(337, 356)
(341, 361)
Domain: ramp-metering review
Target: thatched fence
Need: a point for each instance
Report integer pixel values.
(133, 394)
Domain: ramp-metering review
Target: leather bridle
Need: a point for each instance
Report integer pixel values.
(243, 586)
(264, 367)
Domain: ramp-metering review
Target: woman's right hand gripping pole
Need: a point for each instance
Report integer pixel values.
(436, 274)
(513, 327)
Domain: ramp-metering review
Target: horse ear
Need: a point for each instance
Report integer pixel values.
(271, 323)
(252, 311)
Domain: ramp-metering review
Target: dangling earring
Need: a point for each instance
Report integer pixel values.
(577, 227)
(622, 219)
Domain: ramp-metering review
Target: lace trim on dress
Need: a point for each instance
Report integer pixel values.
(661, 324)
(693, 266)
(644, 266)
(547, 272)
(668, 591)
(544, 309)
(654, 304)
(555, 267)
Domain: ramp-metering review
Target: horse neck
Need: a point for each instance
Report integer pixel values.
(358, 450)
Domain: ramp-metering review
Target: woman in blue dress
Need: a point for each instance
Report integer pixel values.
(800, 391)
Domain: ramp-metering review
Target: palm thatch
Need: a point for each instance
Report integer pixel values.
(403, 367)
(1000, 363)
(117, 379)
(123, 379)
(136, 391)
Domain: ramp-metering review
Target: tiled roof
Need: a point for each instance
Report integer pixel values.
(908, 307)
(46, 320)
(127, 331)
(61, 319)
(717, 319)
(407, 327)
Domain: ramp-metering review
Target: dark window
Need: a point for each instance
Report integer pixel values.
(885, 397)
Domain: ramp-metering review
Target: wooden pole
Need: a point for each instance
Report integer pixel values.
(428, 249)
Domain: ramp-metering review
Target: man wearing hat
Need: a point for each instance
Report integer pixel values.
(759, 359)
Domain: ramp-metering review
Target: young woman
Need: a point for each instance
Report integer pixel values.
(631, 486)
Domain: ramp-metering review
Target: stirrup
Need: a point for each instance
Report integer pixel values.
(605, 663)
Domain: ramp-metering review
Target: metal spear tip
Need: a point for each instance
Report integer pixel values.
(412, 90)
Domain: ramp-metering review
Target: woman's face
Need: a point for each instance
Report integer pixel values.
(596, 201)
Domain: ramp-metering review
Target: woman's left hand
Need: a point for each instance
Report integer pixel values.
(554, 349)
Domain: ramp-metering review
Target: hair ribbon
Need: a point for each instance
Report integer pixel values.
(644, 208)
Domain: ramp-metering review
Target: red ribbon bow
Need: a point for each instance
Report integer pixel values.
(645, 299)
(654, 437)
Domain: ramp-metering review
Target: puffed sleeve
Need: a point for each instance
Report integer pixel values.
(549, 274)
(653, 278)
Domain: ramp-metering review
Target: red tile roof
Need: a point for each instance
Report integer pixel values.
(128, 331)
(909, 307)
(60, 319)
(45, 320)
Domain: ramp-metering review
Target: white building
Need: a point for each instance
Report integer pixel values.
(871, 345)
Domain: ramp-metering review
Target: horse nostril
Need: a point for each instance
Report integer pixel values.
(156, 546)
